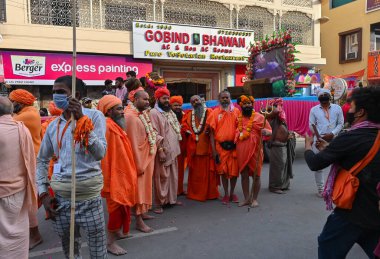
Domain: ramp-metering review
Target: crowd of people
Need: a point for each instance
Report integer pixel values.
(133, 152)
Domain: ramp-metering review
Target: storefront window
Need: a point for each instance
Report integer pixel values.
(350, 46)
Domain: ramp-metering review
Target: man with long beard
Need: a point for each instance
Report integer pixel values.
(166, 166)
(222, 122)
(143, 141)
(119, 173)
(249, 148)
(18, 193)
(176, 103)
(202, 184)
(25, 111)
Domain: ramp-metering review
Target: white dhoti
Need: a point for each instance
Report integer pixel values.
(14, 227)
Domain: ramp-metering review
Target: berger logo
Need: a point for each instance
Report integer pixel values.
(28, 66)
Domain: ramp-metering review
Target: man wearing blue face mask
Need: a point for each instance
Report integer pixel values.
(90, 148)
(328, 119)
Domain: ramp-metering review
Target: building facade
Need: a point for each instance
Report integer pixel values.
(350, 38)
(104, 30)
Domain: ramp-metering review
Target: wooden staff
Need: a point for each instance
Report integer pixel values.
(73, 159)
(266, 113)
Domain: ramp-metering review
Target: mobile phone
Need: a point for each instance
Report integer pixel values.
(316, 131)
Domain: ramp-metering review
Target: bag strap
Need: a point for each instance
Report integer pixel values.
(358, 167)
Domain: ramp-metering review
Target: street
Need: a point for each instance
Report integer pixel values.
(283, 226)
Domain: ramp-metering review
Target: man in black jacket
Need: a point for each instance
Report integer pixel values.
(361, 224)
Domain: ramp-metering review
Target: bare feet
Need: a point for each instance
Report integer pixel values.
(115, 249)
(35, 237)
(120, 235)
(277, 191)
(158, 210)
(243, 203)
(147, 217)
(143, 227)
(179, 203)
(254, 204)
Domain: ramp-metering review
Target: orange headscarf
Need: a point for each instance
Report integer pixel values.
(131, 95)
(53, 110)
(161, 92)
(22, 96)
(176, 99)
(107, 102)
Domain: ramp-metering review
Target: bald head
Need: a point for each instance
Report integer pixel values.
(141, 100)
(6, 106)
(140, 94)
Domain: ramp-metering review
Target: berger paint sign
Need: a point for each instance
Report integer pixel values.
(152, 40)
(28, 66)
(40, 68)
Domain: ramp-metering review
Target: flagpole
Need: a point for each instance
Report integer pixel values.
(73, 159)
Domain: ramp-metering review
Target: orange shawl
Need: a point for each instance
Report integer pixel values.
(118, 166)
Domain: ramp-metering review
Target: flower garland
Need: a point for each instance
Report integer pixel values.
(152, 135)
(199, 130)
(246, 99)
(245, 135)
(173, 121)
(154, 83)
(279, 40)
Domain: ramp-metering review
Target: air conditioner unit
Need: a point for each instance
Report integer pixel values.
(352, 55)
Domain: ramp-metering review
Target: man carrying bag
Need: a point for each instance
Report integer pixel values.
(353, 178)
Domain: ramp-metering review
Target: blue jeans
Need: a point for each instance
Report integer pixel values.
(339, 235)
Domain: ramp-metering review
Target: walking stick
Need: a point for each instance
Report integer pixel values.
(266, 113)
(73, 160)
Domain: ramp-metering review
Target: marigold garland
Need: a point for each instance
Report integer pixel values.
(152, 135)
(244, 135)
(173, 121)
(198, 130)
(154, 83)
(279, 40)
(244, 100)
(82, 131)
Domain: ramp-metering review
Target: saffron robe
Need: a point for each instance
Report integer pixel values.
(18, 195)
(32, 120)
(202, 183)
(182, 163)
(248, 153)
(144, 161)
(165, 173)
(119, 176)
(224, 124)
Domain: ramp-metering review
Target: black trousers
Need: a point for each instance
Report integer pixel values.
(339, 235)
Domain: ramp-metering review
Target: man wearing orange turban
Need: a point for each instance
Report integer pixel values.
(176, 103)
(54, 112)
(168, 129)
(119, 173)
(24, 111)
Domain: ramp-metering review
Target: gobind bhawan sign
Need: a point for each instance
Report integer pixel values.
(153, 40)
(36, 68)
